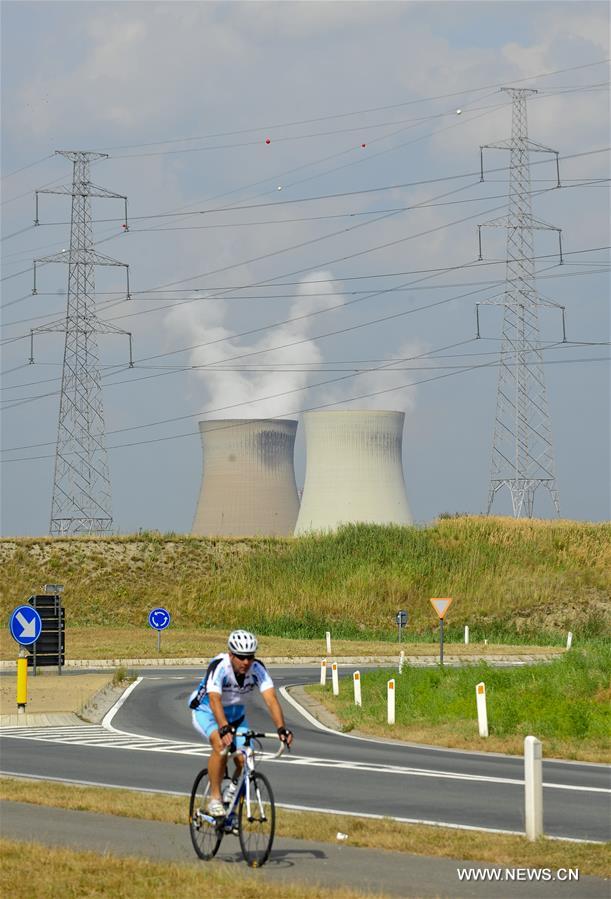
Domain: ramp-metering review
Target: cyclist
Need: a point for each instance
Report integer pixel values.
(217, 706)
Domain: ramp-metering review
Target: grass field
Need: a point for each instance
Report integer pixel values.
(565, 703)
(54, 872)
(512, 581)
(140, 642)
(443, 842)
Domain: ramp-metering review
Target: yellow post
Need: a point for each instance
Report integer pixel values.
(22, 681)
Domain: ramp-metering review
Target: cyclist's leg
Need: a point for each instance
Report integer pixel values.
(239, 712)
(205, 723)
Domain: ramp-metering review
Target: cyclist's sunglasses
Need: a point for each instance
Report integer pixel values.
(249, 656)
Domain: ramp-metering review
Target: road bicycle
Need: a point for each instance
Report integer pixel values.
(251, 813)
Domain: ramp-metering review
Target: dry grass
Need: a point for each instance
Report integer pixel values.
(141, 643)
(373, 834)
(53, 872)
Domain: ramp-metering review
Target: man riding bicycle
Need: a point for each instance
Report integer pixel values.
(217, 706)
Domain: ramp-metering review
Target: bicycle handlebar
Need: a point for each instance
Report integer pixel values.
(251, 735)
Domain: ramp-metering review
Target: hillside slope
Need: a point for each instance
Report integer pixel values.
(524, 578)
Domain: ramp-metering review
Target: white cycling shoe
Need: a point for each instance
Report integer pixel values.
(216, 808)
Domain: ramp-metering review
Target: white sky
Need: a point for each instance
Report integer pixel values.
(210, 82)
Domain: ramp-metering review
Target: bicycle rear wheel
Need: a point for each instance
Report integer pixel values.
(206, 831)
(256, 831)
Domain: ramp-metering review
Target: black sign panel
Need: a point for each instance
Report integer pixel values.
(50, 648)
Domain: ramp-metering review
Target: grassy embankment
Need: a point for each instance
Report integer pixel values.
(441, 842)
(565, 703)
(512, 582)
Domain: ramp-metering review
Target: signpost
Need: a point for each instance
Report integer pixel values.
(159, 619)
(401, 619)
(25, 625)
(441, 606)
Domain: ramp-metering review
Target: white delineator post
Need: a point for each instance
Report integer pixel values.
(356, 679)
(391, 700)
(482, 712)
(328, 638)
(401, 661)
(466, 634)
(323, 672)
(569, 639)
(533, 788)
(335, 679)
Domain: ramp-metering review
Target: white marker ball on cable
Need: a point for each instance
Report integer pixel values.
(458, 111)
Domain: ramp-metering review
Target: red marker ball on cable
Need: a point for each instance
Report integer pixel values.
(267, 140)
(363, 146)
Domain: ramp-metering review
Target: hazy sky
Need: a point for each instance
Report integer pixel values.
(183, 96)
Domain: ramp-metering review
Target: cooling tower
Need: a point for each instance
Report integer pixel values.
(248, 480)
(353, 470)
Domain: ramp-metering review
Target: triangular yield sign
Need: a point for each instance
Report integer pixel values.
(441, 606)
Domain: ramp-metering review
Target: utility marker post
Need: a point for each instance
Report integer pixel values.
(401, 661)
(482, 711)
(390, 690)
(356, 679)
(323, 672)
(533, 788)
(569, 639)
(441, 606)
(335, 679)
(22, 680)
(466, 634)
(328, 638)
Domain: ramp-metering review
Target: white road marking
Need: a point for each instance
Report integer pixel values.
(96, 735)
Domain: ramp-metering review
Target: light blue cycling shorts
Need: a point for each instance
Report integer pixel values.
(205, 722)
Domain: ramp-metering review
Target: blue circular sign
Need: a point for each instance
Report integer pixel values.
(159, 619)
(25, 625)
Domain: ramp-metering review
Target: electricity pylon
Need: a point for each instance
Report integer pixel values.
(522, 448)
(81, 501)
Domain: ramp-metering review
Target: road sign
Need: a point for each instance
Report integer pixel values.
(159, 619)
(25, 625)
(441, 606)
(401, 618)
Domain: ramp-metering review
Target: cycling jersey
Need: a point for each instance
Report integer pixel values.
(220, 678)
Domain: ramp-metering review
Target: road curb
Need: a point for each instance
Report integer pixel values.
(342, 661)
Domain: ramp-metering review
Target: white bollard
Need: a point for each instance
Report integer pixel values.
(391, 700)
(328, 638)
(323, 672)
(569, 639)
(335, 679)
(533, 788)
(401, 661)
(356, 679)
(466, 634)
(482, 712)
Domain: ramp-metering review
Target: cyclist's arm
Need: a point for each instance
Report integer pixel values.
(218, 711)
(275, 710)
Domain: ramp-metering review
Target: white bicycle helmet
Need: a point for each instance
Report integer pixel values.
(242, 642)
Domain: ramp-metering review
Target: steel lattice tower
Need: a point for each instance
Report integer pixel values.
(522, 448)
(81, 501)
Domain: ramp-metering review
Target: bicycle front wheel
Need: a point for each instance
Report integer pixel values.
(206, 831)
(256, 826)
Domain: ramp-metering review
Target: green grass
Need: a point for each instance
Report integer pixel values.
(512, 581)
(564, 702)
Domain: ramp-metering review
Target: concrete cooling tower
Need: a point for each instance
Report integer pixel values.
(354, 471)
(248, 480)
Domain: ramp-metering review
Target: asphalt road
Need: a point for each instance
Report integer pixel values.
(325, 770)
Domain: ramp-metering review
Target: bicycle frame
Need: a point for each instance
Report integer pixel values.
(248, 767)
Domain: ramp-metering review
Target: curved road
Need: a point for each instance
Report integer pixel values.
(152, 745)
